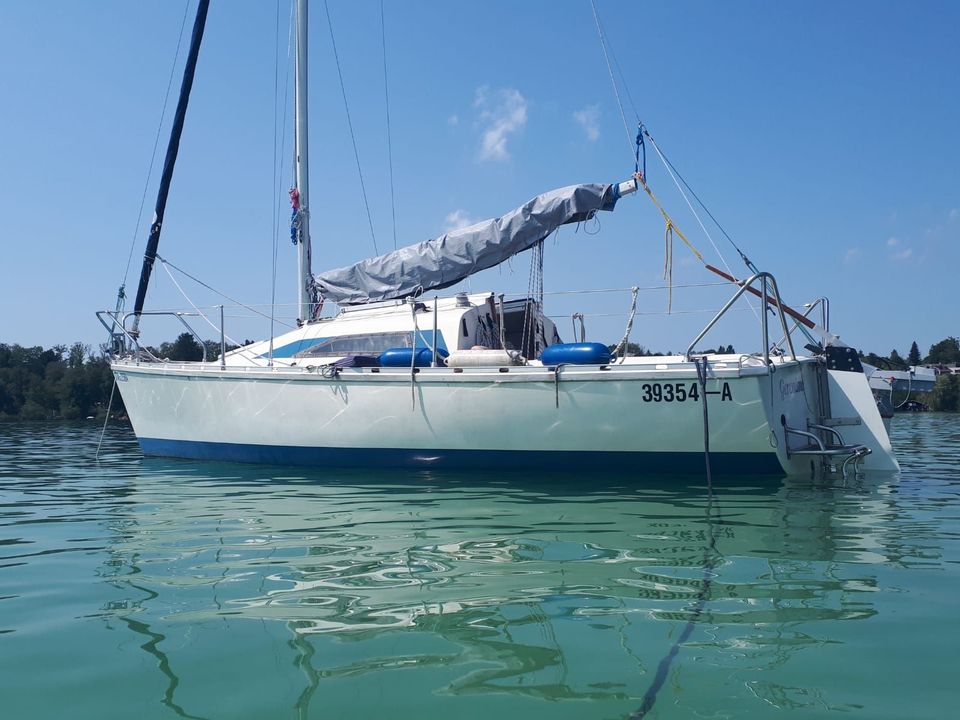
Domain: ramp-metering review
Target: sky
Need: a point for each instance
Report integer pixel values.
(822, 135)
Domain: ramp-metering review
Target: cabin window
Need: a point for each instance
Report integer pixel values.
(367, 344)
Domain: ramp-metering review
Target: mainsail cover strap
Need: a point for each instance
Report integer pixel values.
(448, 259)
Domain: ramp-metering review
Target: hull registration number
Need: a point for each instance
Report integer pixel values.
(680, 392)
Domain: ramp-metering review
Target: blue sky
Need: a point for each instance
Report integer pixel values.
(822, 135)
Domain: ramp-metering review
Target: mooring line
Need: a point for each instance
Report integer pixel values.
(107, 418)
(709, 563)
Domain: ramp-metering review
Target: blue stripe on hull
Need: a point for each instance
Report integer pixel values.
(652, 463)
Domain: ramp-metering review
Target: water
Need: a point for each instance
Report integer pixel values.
(135, 588)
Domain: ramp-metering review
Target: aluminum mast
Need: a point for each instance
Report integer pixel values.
(304, 279)
(173, 146)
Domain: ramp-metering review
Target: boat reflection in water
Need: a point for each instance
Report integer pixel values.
(466, 595)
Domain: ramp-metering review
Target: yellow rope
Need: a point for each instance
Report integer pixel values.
(668, 234)
(670, 224)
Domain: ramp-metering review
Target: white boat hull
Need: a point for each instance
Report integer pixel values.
(640, 417)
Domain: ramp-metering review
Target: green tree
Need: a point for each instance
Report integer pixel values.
(213, 349)
(913, 357)
(895, 359)
(77, 354)
(633, 349)
(38, 384)
(946, 393)
(945, 352)
(183, 349)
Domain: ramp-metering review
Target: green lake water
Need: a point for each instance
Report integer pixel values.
(143, 588)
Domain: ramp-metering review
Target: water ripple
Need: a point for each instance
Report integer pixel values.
(469, 595)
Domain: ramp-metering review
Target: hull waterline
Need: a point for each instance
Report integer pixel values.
(634, 418)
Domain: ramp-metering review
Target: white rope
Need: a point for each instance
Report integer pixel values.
(625, 342)
(583, 327)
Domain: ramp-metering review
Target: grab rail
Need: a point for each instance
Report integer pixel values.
(824, 304)
(118, 320)
(827, 429)
(765, 280)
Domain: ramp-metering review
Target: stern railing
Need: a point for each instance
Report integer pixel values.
(767, 284)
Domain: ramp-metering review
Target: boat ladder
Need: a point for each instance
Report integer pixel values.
(814, 445)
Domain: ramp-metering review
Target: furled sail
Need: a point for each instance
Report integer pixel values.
(448, 259)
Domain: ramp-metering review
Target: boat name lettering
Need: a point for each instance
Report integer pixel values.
(790, 388)
(680, 392)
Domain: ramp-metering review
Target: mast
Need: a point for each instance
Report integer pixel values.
(173, 146)
(302, 182)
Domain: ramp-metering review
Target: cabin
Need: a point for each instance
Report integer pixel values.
(464, 322)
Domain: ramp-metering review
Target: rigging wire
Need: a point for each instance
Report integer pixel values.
(612, 62)
(386, 99)
(700, 202)
(245, 353)
(196, 309)
(616, 90)
(725, 283)
(670, 171)
(533, 308)
(156, 143)
(723, 260)
(649, 313)
(197, 280)
(278, 158)
(274, 210)
(353, 137)
(710, 551)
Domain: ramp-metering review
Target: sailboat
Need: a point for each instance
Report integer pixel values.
(398, 379)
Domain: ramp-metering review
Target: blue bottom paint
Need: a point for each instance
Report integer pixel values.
(644, 463)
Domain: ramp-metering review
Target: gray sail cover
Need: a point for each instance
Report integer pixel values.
(448, 259)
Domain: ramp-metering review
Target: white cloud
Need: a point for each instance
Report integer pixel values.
(501, 115)
(453, 120)
(892, 242)
(903, 255)
(589, 120)
(852, 255)
(458, 219)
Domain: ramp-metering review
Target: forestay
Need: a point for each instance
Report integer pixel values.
(448, 259)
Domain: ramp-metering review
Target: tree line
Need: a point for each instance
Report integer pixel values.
(74, 383)
(59, 383)
(945, 353)
(945, 395)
